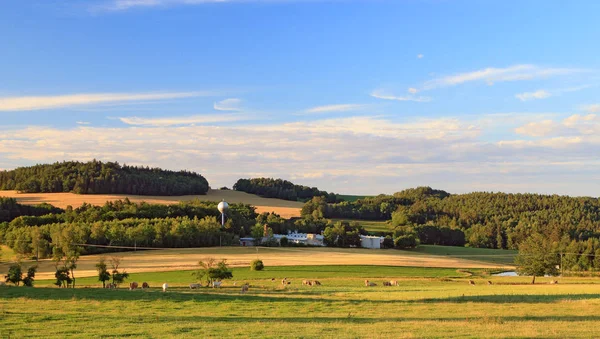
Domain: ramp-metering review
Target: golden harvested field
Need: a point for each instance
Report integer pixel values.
(286, 209)
(187, 259)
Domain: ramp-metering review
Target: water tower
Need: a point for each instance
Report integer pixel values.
(223, 208)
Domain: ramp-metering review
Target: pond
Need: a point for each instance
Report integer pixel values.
(506, 274)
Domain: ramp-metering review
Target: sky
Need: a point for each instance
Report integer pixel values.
(351, 96)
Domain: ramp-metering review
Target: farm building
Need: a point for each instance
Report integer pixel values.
(302, 238)
(369, 241)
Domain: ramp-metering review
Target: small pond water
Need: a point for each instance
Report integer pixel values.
(506, 274)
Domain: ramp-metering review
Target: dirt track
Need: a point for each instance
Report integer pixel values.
(286, 209)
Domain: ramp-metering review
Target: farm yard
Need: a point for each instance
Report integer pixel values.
(428, 302)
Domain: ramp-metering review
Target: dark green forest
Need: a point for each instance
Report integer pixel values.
(486, 220)
(282, 189)
(96, 177)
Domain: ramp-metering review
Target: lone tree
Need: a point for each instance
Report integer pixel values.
(103, 274)
(28, 280)
(118, 277)
(211, 271)
(15, 274)
(537, 257)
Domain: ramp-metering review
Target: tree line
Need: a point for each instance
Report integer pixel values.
(96, 177)
(124, 223)
(481, 219)
(282, 189)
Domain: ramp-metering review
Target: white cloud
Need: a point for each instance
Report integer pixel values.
(420, 56)
(539, 94)
(30, 103)
(349, 155)
(413, 90)
(82, 123)
(492, 75)
(573, 126)
(335, 108)
(232, 104)
(171, 121)
(591, 108)
(379, 94)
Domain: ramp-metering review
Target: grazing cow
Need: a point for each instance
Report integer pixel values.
(145, 285)
(307, 282)
(369, 283)
(244, 288)
(235, 283)
(2, 283)
(195, 286)
(216, 284)
(471, 282)
(316, 282)
(489, 282)
(552, 282)
(165, 286)
(133, 285)
(387, 283)
(272, 279)
(393, 283)
(111, 286)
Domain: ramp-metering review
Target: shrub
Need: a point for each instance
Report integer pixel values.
(405, 241)
(284, 241)
(257, 265)
(388, 242)
(28, 280)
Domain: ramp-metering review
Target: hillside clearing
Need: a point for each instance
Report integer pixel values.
(287, 209)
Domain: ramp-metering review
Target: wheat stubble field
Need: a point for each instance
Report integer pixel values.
(287, 209)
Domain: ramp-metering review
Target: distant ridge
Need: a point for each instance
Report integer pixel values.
(96, 177)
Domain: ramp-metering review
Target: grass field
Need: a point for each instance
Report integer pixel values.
(351, 198)
(286, 209)
(369, 225)
(187, 258)
(428, 303)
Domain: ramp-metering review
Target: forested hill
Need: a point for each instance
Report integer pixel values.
(493, 220)
(281, 189)
(96, 177)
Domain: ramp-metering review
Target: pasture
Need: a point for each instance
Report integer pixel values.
(287, 209)
(187, 259)
(427, 303)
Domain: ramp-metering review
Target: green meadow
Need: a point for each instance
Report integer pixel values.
(427, 303)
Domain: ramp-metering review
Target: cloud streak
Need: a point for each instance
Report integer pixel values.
(32, 103)
(492, 75)
(379, 94)
(539, 94)
(232, 104)
(335, 108)
(189, 120)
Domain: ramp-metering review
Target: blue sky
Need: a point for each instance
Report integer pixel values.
(359, 97)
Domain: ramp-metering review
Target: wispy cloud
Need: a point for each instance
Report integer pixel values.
(82, 123)
(335, 108)
(591, 108)
(544, 94)
(450, 153)
(420, 56)
(232, 104)
(539, 94)
(380, 94)
(30, 103)
(121, 5)
(188, 120)
(492, 75)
